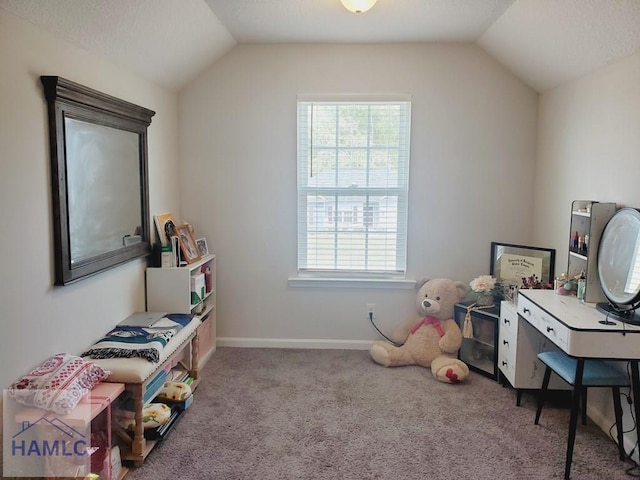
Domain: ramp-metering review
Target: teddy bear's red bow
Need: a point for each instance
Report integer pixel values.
(429, 320)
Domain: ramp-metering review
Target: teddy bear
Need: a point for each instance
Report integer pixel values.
(434, 340)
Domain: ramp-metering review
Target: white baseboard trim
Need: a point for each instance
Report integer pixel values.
(328, 344)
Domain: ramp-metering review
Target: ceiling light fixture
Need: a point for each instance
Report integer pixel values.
(358, 6)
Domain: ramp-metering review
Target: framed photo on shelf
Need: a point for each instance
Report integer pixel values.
(202, 246)
(166, 226)
(190, 252)
(527, 267)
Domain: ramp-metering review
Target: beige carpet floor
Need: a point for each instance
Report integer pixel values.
(332, 414)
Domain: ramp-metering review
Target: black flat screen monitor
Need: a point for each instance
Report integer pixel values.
(619, 266)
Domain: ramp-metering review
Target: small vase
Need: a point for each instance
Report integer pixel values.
(485, 299)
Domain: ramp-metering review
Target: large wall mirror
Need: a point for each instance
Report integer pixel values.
(99, 179)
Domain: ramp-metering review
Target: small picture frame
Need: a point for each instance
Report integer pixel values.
(202, 246)
(188, 246)
(165, 225)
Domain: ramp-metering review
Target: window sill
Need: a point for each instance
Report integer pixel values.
(320, 282)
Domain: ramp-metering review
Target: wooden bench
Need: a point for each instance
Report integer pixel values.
(136, 374)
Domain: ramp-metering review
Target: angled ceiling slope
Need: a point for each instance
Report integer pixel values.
(551, 42)
(169, 42)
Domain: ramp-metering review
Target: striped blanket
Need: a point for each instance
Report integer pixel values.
(143, 342)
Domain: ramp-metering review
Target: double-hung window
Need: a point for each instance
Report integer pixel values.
(353, 181)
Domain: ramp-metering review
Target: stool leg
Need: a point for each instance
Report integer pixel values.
(518, 397)
(584, 405)
(617, 408)
(543, 392)
(573, 422)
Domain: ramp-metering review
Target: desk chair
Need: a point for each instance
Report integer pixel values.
(581, 374)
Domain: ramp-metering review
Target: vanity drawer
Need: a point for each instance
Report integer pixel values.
(508, 341)
(507, 350)
(528, 311)
(508, 333)
(543, 322)
(508, 320)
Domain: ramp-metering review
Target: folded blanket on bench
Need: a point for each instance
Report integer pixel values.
(147, 342)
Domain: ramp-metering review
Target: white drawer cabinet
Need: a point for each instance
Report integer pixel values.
(507, 341)
(518, 347)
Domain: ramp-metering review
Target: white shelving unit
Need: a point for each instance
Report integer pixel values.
(169, 290)
(588, 218)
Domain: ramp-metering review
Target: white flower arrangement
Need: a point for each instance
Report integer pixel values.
(483, 284)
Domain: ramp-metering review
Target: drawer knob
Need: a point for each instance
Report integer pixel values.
(526, 310)
(504, 364)
(549, 329)
(504, 342)
(507, 321)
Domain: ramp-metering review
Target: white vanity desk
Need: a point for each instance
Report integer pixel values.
(576, 328)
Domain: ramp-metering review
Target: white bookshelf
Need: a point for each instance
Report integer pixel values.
(169, 290)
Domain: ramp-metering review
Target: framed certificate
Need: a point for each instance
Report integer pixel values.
(522, 265)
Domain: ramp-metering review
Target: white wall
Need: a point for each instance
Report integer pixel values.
(589, 148)
(472, 164)
(37, 318)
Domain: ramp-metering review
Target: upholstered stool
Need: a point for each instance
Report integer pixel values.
(581, 374)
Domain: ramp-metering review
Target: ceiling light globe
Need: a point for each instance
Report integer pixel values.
(358, 6)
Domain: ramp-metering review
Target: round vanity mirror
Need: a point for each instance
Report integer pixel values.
(619, 265)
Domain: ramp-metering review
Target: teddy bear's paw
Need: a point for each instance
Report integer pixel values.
(452, 373)
(452, 376)
(380, 355)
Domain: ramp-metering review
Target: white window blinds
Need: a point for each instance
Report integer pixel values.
(353, 180)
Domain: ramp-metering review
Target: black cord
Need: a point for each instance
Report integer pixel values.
(630, 471)
(634, 465)
(388, 339)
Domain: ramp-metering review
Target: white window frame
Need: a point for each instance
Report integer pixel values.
(390, 278)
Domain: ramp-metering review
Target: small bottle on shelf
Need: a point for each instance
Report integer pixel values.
(586, 243)
(582, 283)
(207, 279)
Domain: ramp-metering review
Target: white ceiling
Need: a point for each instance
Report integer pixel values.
(169, 42)
(327, 21)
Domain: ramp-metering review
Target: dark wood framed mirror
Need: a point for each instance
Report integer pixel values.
(99, 179)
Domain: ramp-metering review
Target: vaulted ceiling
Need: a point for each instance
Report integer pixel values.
(544, 42)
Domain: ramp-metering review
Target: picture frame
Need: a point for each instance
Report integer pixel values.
(165, 225)
(202, 246)
(526, 266)
(190, 252)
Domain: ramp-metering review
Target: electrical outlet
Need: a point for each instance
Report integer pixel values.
(371, 309)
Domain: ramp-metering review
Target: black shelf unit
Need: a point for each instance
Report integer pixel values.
(480, 353)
